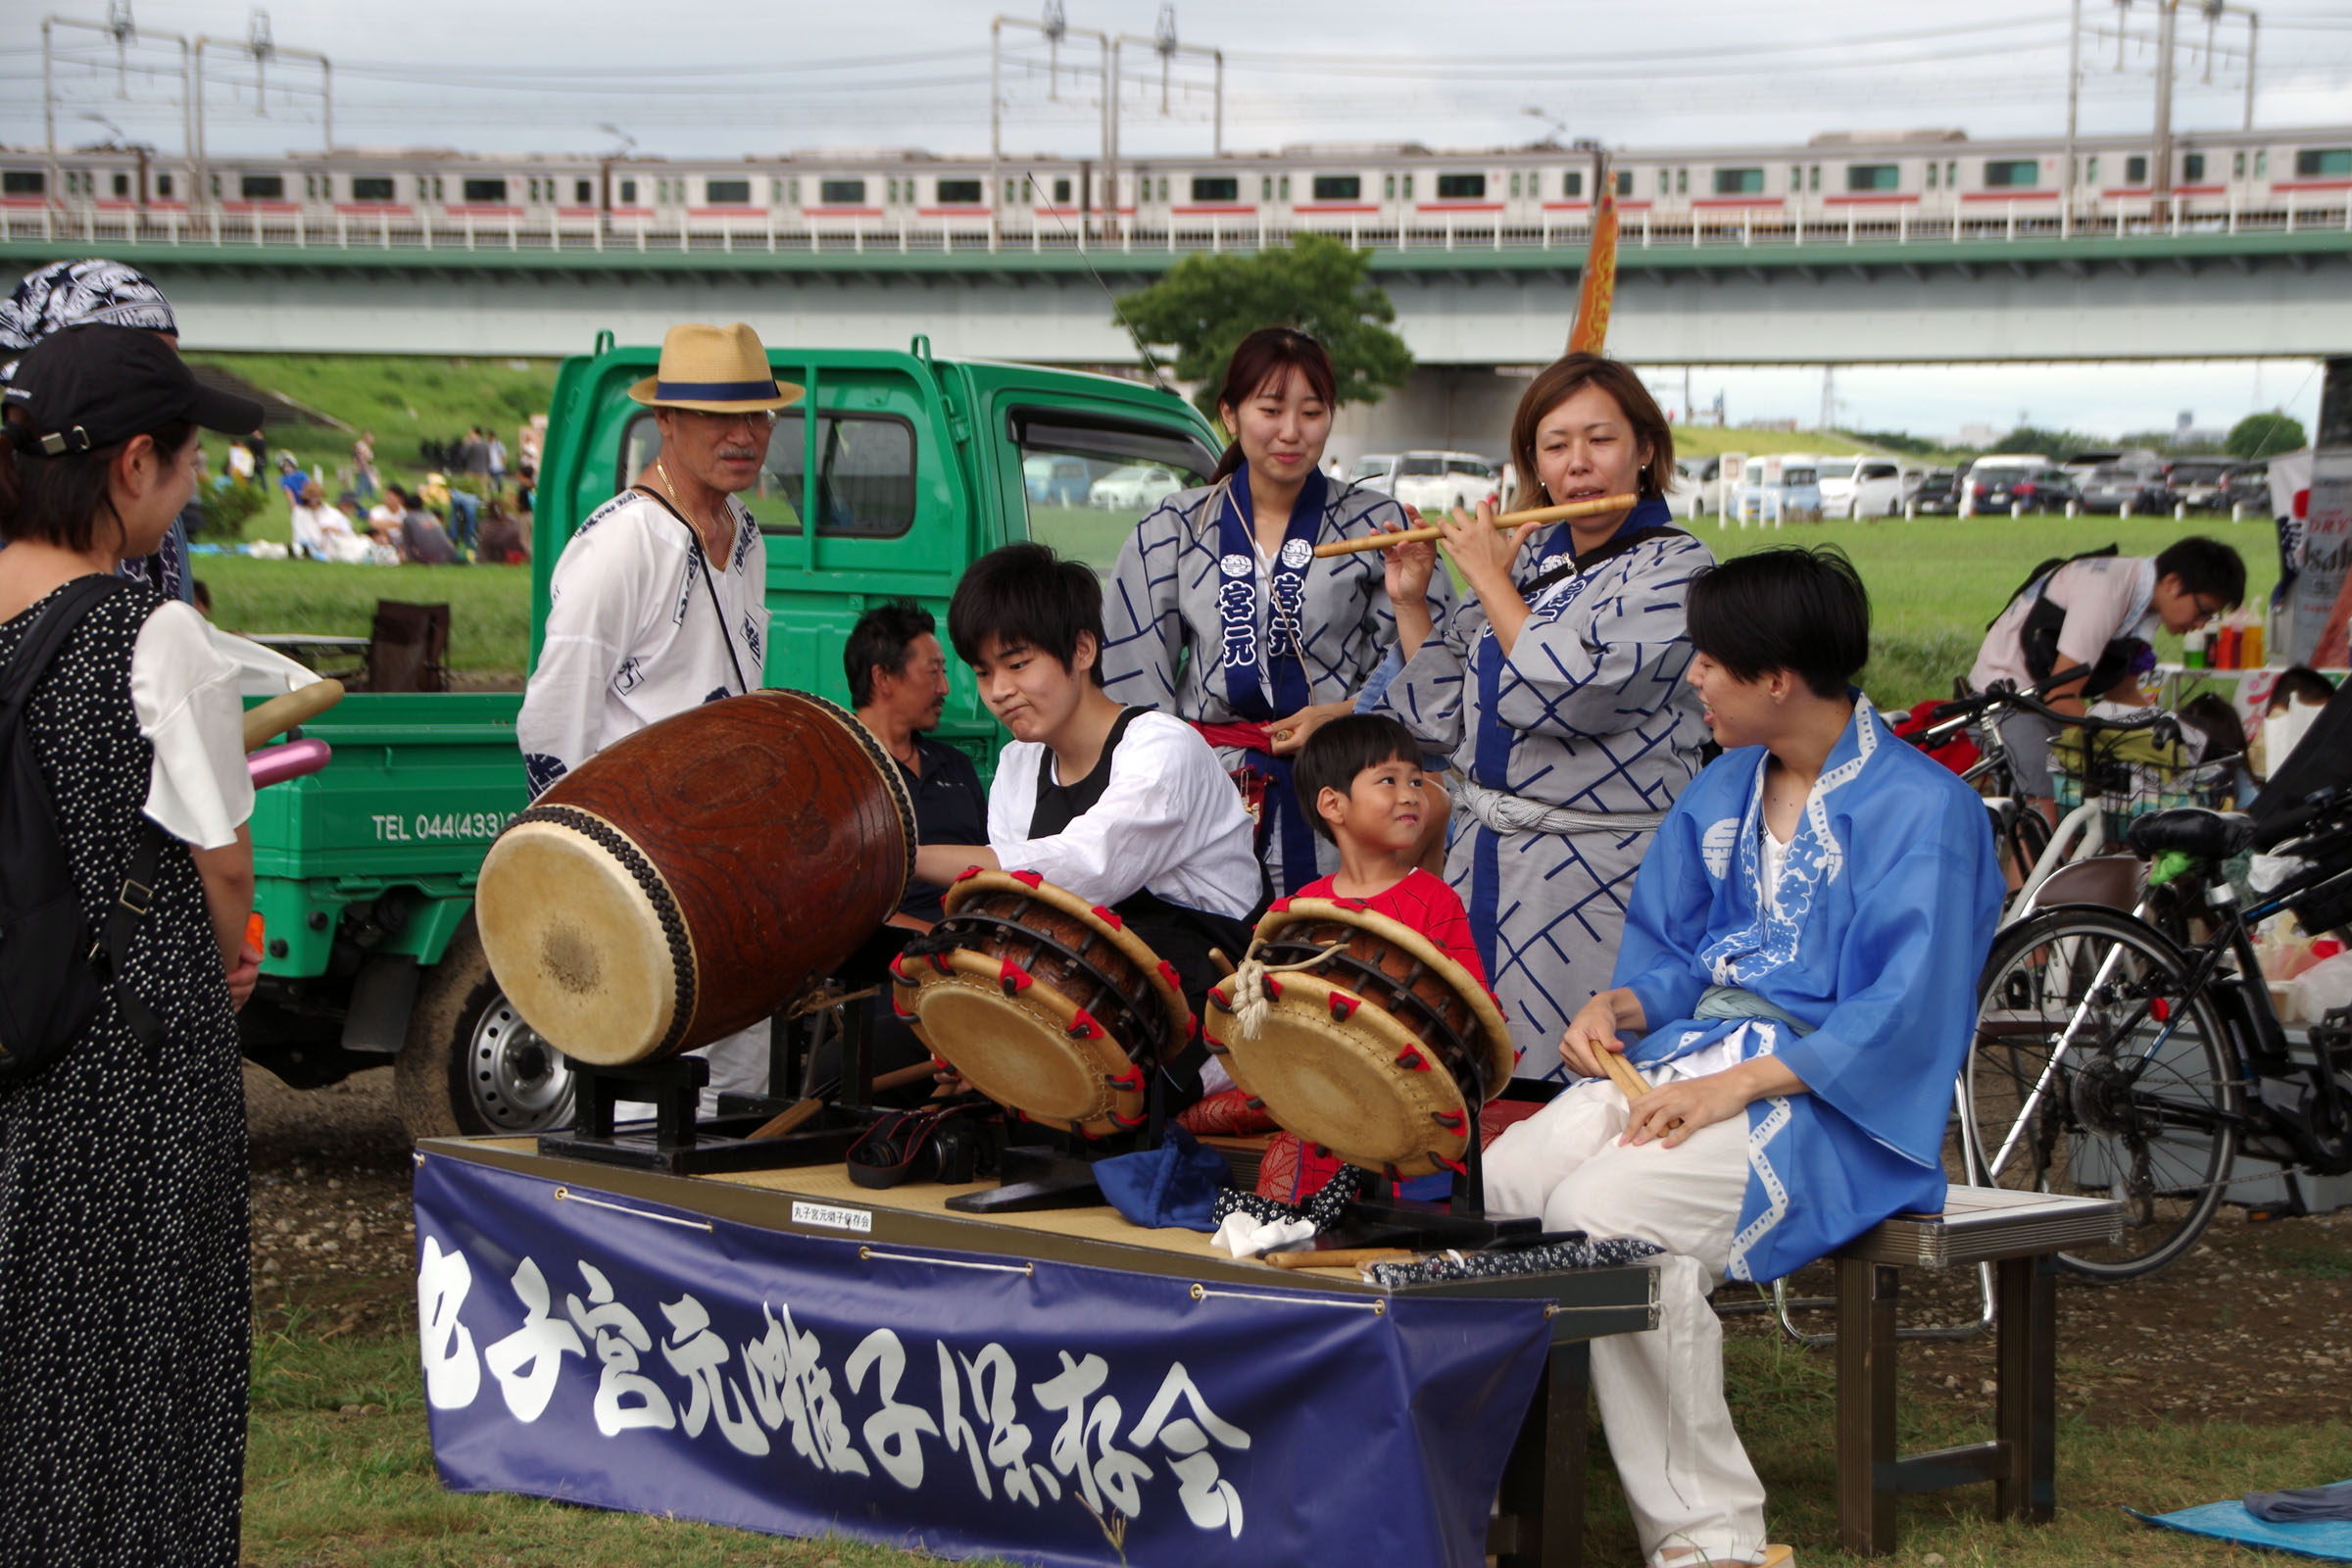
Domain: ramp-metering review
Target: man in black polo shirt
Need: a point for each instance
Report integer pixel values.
(898, 684)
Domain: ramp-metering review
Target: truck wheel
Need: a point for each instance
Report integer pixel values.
(470, 1064)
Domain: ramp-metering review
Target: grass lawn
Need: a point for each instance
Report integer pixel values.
(340, 1474)
(1934, 585)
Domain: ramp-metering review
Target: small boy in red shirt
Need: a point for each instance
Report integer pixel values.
(1360, 780)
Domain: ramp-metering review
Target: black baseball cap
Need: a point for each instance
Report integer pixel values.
(93, 385)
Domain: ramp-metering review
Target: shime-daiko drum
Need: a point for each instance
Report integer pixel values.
(693, 878)
(1044, 1003)
(1373, 1043)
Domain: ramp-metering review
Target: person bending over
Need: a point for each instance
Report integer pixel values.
(1798, 977)
(1124, 807)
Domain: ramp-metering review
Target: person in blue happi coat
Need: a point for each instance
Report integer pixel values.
(1797, 983)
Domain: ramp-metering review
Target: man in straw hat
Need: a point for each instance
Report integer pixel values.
(658, 603)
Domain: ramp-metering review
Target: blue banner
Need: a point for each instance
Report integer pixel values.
(622, 1354)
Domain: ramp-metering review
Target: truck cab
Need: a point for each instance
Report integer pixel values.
(366, 869)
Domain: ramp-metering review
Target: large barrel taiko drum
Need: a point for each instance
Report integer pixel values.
(693, 878)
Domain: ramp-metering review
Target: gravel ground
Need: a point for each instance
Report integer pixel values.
(2256, 1322)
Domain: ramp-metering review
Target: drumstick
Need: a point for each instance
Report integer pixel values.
(1339, 1257)
(1623, 1073)
(282, 714)
(792, 1116)
(1510, 519)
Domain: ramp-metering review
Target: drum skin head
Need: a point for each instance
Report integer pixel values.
(1500, 1058)
(565, 929)
(1018, 1049)
(1347, 1078)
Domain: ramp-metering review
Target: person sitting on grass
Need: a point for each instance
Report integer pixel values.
(1126, 808)
(1798, 978)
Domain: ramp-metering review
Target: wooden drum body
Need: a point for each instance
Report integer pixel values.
(689, 880)
(1045, 1004)
(1382, 1050)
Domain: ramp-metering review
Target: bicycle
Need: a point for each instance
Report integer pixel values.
(2114, 770)
(2122, 1055)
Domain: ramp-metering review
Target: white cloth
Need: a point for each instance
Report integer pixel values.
(2105, 597)
(312, 525)
(631, 634)
(1686, 1479)
(1505, 812)
(1169, 822)
(184, 690)
(1246, 1236)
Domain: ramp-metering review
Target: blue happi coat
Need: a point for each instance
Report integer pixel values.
(1885, 909)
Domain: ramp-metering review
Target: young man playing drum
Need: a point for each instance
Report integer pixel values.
(1798, 981)
(659, 603)
(1124, 807)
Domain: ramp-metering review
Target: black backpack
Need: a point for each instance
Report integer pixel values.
(52, 975)
(2038, 637)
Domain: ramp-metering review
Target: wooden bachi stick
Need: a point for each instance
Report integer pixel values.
(1510, 519)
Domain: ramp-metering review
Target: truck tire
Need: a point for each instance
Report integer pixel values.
(470, 1064)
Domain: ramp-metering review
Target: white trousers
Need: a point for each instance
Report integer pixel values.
(1694, 1494)
(738, 1066)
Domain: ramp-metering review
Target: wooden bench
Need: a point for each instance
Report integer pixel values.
(2017, 1233)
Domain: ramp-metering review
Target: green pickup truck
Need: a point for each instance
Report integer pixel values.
(366, 869)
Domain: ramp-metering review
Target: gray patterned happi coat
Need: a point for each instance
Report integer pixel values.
(1160, 611)
(1588, 712)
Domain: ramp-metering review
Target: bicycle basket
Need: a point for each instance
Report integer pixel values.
(2131, 773)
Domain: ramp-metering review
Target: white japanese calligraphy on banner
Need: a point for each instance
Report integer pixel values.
(925, 1413)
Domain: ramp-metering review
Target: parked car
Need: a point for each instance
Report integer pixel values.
(1055, 481)
(2114, 488)
(1861, 487)
(1937, 494)
(2197, 482)
(1689, 495)
(1434, 480)
(1374, 470)
(2047, 490)
(1135, 487)
(1785, 489)
(2247, 485)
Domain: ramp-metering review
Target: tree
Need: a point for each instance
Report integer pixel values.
(2052, 444)
(2263, 435)
(1207, 304)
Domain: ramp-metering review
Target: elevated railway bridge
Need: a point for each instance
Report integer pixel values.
(1738, 290)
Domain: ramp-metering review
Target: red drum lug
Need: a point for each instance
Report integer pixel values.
(1273, 989)
(899, 1007)
(967, 874)
(1454, 1165)
(1027, 879)
(1254, 1103)
(1344, 1005)
(1131, 1080)
(1278, 906)
(1109, 917)
(1126, 1121)
(1167, 972)
(1353, 904)
(939, 963)
(898, 962)
(1084, 1027)
(1454, 1121)
(1410, 1056)
(1013, 978)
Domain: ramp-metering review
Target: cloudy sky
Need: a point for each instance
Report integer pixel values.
(592, 75)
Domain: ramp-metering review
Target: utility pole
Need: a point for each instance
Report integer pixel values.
(2074, 97)
(1163, 43)
(259, 44)
(1055, 28)
(2166, 10)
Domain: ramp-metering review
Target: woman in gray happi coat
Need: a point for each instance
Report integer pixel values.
(1220, 613)
(1558, 686)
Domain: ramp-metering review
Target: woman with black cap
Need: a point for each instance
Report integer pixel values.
(123, 1285)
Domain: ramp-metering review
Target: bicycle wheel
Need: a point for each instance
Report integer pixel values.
(2094, 1073)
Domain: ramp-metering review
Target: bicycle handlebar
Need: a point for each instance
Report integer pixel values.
(2317, 806)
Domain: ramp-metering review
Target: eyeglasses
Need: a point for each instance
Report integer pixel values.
(760, 420)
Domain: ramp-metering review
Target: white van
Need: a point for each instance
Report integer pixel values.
(1862, 486)
(1441, 480)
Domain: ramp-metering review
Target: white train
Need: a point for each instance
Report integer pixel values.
(1377, 194)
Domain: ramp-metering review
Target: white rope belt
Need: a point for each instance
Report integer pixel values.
(1505, 812)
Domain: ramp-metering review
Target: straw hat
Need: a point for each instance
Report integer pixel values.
(716, 369)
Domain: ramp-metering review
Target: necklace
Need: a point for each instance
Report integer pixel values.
(705, 527)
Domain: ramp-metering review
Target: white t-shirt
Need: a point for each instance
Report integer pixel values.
(184, 690)
(1169, 822)
(2105, 597)
(633, 636)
